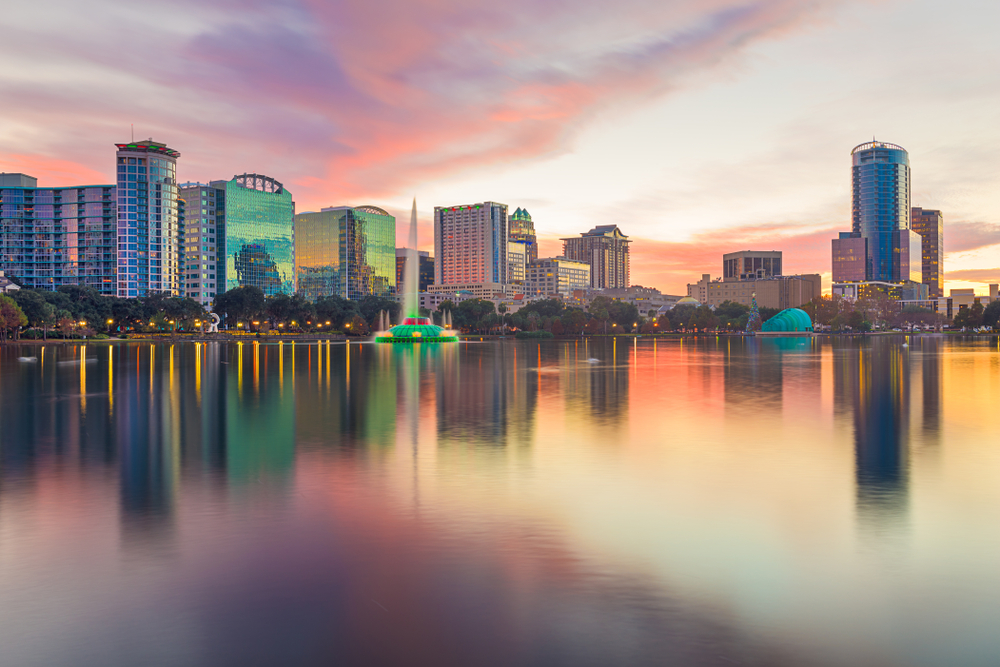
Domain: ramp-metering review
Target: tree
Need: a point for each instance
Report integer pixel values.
(971, 317)
(991, 315)
(12, 318)
(356, 326)
(36, 308)
(240, 304)
(371, 306)
(573, 320)
(335, 310)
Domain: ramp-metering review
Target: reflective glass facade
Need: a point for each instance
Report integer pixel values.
(259, 240)
(148, 227)
(51, 237)
(880, 186)
(347, 252)
(906, 256)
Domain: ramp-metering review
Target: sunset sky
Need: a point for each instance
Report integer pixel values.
(699, 127)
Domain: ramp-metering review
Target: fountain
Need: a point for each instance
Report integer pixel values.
(414, 328)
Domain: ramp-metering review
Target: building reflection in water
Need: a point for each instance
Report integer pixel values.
(873, 377)
(929, 349)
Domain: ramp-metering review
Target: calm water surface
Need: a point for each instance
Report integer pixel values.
(709, 502)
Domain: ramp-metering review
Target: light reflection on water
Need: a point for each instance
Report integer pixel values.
(710, 501)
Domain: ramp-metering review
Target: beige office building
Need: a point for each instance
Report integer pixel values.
(780, 292)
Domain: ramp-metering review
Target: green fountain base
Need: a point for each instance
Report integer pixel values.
(416, 330)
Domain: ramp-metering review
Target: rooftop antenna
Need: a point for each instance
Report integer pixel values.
(132, 125)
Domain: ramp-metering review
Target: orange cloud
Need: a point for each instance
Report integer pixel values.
(53, 172)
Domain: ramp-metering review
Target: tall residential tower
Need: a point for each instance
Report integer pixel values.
(470, 244)
(149, 233)
(605, 249)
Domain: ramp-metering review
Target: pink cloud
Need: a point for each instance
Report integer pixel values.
(356, 100)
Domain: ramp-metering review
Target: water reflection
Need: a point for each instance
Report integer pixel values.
(873, 378)
(540, 501)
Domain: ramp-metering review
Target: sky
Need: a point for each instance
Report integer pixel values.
(699, 127)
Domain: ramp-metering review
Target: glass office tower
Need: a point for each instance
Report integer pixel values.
(148, 228)
(51, 237)
(880, 207)
(345, 251)
(259, 240)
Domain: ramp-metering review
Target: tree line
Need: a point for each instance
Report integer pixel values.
(73, 311)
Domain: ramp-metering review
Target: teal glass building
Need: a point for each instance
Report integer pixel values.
(345, 251)
(258, 234)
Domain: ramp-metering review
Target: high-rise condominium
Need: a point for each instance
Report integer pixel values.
(202, 278)
(258, 238)
(345, 251)
(470, 244)
(930, 225)
(606, 250)
(56, 236)
(149, 231)
(880, 219)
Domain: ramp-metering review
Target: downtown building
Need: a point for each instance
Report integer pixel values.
(606, 250)
(55, 236)
(203, 276)
(345, 251)
(522, 247)
(881, 247)
(750, 274)
(425, 270)
(930, 225)
(149, 228)
(237, 233)
(556, 276)
(470, 249)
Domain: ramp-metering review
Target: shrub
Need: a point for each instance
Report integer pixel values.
(533, 334)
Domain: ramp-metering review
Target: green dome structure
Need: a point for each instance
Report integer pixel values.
(790, 320)
(416, 330)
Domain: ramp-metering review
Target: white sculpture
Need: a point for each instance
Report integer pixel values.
(213, 326)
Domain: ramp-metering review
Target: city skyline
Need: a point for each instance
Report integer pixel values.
(728, 122)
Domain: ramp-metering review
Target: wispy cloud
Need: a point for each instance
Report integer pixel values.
(352, 99)
(964, 236)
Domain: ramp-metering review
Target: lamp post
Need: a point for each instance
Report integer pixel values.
(109, 323)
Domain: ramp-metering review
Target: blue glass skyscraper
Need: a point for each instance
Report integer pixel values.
(880, 208)
(149, 230)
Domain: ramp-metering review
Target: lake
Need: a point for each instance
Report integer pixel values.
(708, 501)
